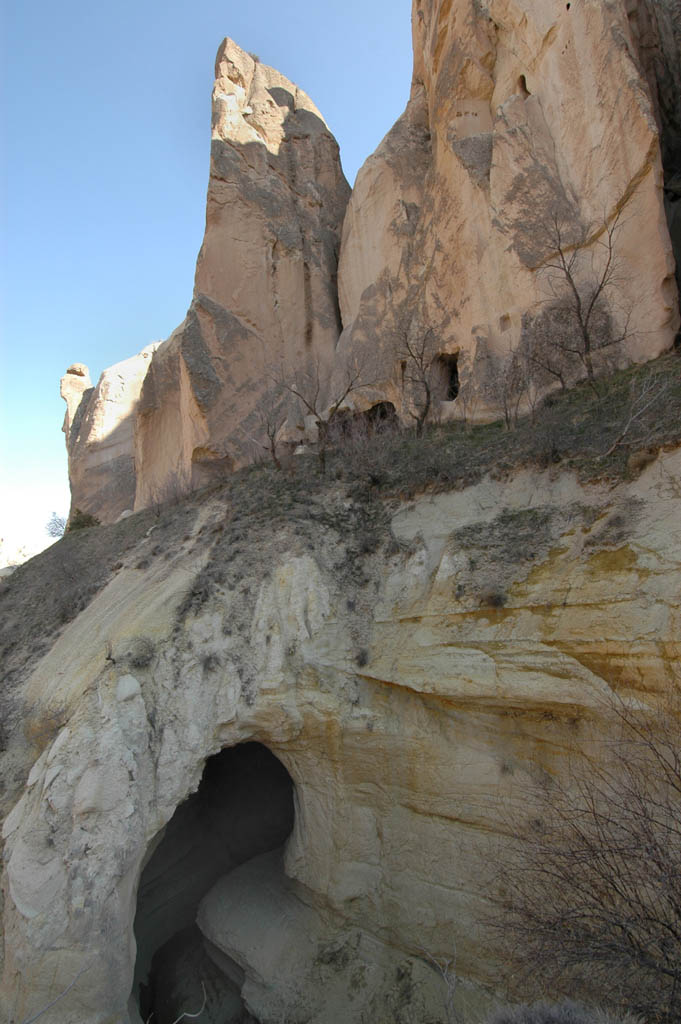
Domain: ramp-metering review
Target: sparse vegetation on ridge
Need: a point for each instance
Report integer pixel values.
(589, 899)
(575, 430)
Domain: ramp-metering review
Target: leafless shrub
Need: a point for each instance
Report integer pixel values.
(645, 393)
(322, 394)
(583, 274)
(590, 900)
(366, 442)
(506, 383)
(79, 520)
(446, 968)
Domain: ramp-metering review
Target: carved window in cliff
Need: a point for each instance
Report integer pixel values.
(446, 383)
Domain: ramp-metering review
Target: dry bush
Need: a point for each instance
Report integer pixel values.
(323, 394)
(590, 900)
(366, 444)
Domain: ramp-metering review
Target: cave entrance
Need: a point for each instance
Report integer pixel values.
(447, 377)
(242, 809)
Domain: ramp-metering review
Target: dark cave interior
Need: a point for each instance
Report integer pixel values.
(242, 808)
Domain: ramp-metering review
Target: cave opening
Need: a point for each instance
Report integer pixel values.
(243, 808)
(447, 386)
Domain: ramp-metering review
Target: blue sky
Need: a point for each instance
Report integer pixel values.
(105, 132)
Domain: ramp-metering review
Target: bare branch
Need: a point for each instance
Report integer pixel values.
(193, 1016)
(446, 968)
(643, 395)
(591, 895)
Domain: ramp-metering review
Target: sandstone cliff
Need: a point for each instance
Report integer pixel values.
(264, 304)
(530, 125)
(370, 683)
(522, 117)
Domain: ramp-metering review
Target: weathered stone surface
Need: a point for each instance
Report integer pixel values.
(411, 692)
(264, 301)
(100, 435)
(264, 296)
(656, 25)
(518, 110)
(298, 963)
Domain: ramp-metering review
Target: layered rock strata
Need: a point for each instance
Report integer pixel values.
(414, 668)
(523, 117)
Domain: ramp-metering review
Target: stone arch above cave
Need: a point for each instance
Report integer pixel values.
(243, 807)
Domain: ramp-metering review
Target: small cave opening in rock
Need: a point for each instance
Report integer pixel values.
(447, 379)
(243, 808)
(374, 420)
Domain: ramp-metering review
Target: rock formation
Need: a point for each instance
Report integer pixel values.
(519, 113)
(656, 25)
(100, 435)
(524, 119)
(264, 304)
(411, 667)
(264, 295)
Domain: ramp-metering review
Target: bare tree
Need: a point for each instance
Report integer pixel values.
(506, 384)
(584, 275)
(421, 335)
(323, 394)
(591, 898)
(270, 416)
(446, 968)
(417, 356)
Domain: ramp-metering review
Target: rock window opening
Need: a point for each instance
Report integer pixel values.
(522, 85)
(242, 809)
(357, 425)
(447, 367)
(381, 414)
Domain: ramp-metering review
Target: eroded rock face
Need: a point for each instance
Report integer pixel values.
(656, 25)
(519, 111)
(264, 296)
(264, 305)
(524, 117)
(100, 435)
(412, 682)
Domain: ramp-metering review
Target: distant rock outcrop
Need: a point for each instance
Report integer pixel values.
(100, 435)
(265, 289)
